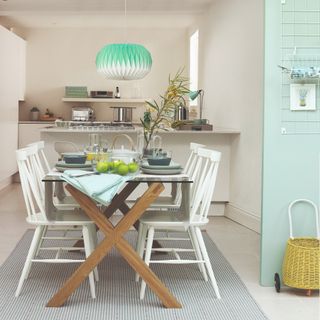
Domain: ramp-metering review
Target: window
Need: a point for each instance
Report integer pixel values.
(193, 67)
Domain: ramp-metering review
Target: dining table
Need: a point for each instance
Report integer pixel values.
(114, 234)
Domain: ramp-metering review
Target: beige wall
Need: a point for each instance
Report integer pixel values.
(231, 67)
(57, 57)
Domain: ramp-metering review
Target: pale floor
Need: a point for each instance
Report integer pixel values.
(238, 244)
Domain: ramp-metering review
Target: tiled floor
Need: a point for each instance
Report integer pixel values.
(244, 257)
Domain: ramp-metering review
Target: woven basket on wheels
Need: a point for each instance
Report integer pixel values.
(301, 264)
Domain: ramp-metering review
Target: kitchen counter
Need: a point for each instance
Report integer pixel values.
(217, 130)
(35, 122)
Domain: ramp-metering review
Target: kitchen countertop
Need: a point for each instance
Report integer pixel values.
(216, 130)
(35, 122)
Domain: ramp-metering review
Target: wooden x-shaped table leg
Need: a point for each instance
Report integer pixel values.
(113, 237)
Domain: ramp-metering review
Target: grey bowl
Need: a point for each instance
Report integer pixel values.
(159, 161)
(75, 158)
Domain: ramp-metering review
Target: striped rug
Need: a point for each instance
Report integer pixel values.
(118, 293)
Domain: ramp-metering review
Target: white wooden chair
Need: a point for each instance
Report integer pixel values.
(41, 156)
(60, 199)
(40, 168)
(33, 196)
(173, 202)
(204, 176)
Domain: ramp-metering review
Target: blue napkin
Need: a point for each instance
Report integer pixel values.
(100, 187)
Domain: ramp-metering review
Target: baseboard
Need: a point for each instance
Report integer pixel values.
(5, 182)
(217, 209)
(16, 178)
(243, 217)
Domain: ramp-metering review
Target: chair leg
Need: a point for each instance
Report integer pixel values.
(45, 229)
(31, 254)
(147, 258)
(93, 243)
(196, 247)
(207, 261)
(142, 233)
(86, 239)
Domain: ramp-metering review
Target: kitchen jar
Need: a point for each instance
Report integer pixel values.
(34, 114)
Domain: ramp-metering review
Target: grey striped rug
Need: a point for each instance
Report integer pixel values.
(118, 293)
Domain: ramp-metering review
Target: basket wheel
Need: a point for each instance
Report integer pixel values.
(277, 283)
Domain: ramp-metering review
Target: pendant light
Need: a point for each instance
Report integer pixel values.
(124, 61)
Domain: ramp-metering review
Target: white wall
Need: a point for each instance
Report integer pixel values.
(231, 66)
(57, 57)
(11, 61)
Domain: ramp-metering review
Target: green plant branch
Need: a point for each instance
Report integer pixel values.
(162, 112)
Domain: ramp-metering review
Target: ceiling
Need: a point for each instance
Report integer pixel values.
(104, 5)
(93, 13)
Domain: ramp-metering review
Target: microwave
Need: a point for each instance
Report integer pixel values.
(82, 114)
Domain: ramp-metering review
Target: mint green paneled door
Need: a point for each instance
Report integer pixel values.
(290, 161)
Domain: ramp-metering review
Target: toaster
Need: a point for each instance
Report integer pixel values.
(82, 114)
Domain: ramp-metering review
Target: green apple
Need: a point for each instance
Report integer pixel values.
(102, 166)
(133, 167)
(110, 165)
(123, 169)
(116, 163)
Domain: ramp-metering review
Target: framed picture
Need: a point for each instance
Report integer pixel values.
(302, 97)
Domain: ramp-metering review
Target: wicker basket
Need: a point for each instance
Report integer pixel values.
(301, 265)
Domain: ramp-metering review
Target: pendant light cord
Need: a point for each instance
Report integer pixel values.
(125, 21)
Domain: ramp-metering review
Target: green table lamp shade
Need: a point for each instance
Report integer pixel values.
(125, 61)
(194, 94)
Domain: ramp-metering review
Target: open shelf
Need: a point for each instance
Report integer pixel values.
(106, 100)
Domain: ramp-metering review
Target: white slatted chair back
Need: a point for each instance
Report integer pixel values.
(42, 157)
(189, 168)
(206, 171)
(28, 170)
(193, 152)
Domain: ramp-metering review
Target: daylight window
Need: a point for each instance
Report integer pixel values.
(194, 51)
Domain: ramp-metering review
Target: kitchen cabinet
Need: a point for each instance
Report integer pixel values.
(22, 50)
(10, 91)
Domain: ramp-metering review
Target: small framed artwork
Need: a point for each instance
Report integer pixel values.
(302, 97)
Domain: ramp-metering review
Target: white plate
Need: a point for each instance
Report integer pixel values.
(171, 166)
(62, 169)
(161, 171)
(62, 164)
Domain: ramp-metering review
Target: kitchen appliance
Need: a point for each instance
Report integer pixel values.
(122, 114)
(82, 114)
(180, 113)
(101, 94)
(97, 125)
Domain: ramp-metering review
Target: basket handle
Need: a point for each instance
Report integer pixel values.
(316, 212)
(125, 136)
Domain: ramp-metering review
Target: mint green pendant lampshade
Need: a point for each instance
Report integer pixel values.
(125, 61)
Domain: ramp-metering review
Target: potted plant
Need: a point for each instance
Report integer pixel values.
(160, 115)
